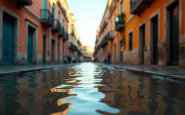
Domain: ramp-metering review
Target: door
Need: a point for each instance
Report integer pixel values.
(44, 49)
(53, 51)
(142, 43)
(59, 52)
(30, 45)
(174, 35)
(8, 40)
(155, 40)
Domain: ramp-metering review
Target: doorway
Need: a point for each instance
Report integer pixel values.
(154, 41)
(53, 51)
(174, 34)
(44, 49)
(8, 39)
(142, 33)
(30, 40)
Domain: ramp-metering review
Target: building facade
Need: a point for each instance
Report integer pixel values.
(74, 44)
(33, 31)
(87, 53)
(143, 32)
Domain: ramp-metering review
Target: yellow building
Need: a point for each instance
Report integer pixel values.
(74, 44)
(149, 32)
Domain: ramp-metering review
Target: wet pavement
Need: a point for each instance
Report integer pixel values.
(90, 89)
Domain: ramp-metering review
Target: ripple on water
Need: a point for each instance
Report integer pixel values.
(90, 89)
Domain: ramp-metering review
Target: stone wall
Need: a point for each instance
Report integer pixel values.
(131, 57)
(182, 52)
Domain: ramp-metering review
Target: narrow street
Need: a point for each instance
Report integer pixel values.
(90, 89)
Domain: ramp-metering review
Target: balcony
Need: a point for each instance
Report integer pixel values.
(24, 2)
(104, 42)
(73, 47)
(113, 7)
(79, 51)
(111, 35)
(66, 36)
(138, 6)
(61, 32)
(120, 23)
(57, 26)
(104, 25)
(47, 18)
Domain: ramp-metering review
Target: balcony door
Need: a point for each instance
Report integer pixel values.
(45, 5)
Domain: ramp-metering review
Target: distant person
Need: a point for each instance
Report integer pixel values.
(69, 59)
(65, 60)
(108, 56)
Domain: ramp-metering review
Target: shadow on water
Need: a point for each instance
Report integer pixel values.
(90, 89)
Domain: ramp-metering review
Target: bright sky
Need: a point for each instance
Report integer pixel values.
(88, 15)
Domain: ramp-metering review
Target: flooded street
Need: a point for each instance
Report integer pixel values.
(90, 89)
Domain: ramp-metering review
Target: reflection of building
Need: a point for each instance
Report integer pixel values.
(87, 53)
(149, 32)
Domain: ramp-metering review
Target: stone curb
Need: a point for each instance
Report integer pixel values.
(173, 77)
(32, 70)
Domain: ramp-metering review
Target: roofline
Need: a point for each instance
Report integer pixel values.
(104, 14)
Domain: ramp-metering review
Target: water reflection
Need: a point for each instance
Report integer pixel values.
(89, 89)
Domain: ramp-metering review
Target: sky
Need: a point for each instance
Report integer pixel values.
(88, 15)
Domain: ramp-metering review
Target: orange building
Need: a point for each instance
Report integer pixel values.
(149, 32)
(33, 31)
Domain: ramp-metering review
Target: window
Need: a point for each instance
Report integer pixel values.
(58, 15)
(121, 7)
(130, 41)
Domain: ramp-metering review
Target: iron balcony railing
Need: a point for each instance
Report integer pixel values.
(57, 25)
(66, 36)
(113, 6)
(73, 47)
(62, 32)
(120, 22)
(24, 2)
(104, 41)
(137, 6)
(47, 17)
(79, 51)
(104, 25)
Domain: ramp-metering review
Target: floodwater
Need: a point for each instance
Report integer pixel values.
(90, 89)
